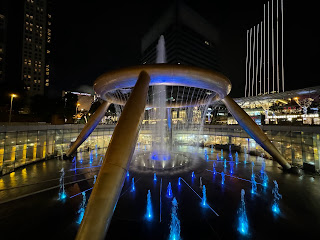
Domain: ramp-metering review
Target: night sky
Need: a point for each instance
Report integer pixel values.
(90, 38)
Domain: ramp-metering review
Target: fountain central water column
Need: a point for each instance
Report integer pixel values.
(108, 186)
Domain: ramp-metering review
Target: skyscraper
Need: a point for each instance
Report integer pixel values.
(189, 39)
(2, 46)
(35, 72)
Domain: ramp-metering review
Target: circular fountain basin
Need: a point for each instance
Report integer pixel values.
(167, 75)
(165, 162)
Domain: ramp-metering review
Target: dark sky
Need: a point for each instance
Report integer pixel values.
(91, 38)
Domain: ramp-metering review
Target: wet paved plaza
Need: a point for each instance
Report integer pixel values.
(30, 208)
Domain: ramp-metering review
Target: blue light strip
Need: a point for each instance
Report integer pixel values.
(200, 197)
(81, 192)
(233, 176)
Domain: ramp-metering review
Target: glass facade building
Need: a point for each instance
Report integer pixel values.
(22, 145)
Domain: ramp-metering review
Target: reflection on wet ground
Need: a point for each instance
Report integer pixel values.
(29, 205)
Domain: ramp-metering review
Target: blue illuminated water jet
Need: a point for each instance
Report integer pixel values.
(263, 167)
(91, 157)
(192, 175)
(211, 148)
(243, 226)
(132, 186)
(245, 155)
(128, 174)
(82, 208)
(252, 165)
(100, 161)
(231, 167)
(96, 148)
(204, 196)
(276, 197)
(81, 156)
(222, 178)
(149, 214)
(221, 153)
(175, 222)
(205, 152)
(154, 177)
(75, 163)
(179, 182)
(264, 176)
(169, 191)
(94, 179)
(225, 163)
(237, 158)
(62, 193)
(253, 184)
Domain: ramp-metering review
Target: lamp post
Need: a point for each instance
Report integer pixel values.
(12, 96)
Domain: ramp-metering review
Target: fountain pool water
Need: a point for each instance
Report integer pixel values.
(175, 222)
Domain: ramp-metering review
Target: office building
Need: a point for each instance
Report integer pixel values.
(189, 39)
(35, 72)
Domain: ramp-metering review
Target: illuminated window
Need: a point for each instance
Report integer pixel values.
(48, 51)
(206, 42)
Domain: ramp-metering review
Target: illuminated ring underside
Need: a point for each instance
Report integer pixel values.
(163, 74)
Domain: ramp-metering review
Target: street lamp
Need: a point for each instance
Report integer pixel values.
(78, 104)
(12, 96)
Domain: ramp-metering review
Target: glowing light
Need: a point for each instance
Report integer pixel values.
(243, 220)
(192, 175)
(149, 207)
(179, 182)
(277, 196)
(154, 177)
(175, 222)
(169, 190)
(132, 186)
(82, 208)
(204, 196)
